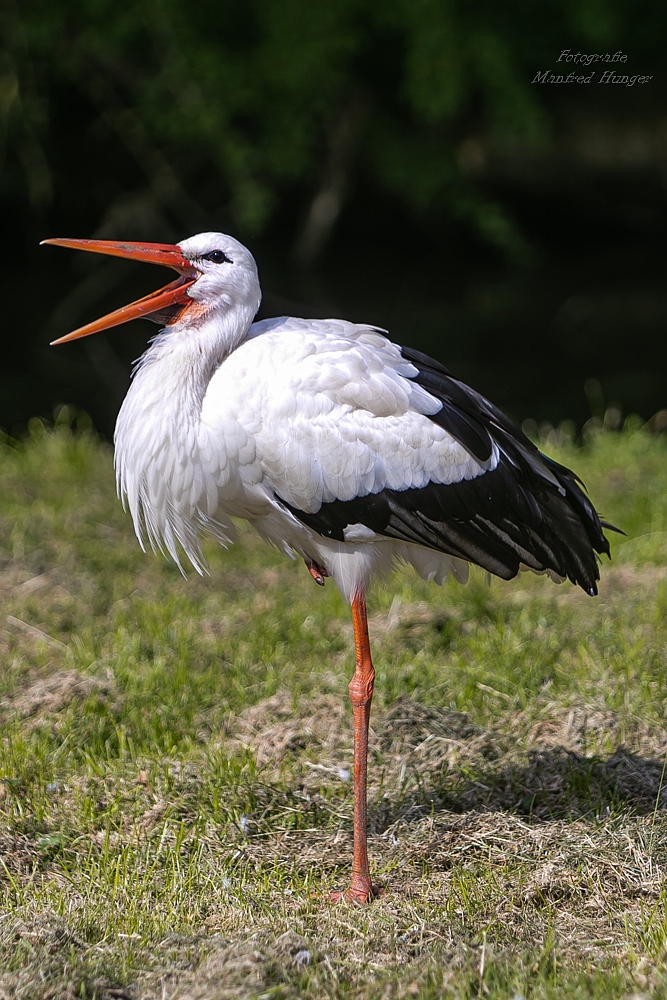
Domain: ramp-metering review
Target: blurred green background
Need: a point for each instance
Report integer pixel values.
(390, 162)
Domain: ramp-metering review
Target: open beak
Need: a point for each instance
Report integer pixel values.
(170, 302)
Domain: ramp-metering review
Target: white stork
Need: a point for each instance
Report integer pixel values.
(336, 445)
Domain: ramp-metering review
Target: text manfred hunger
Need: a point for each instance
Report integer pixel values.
(608, 76)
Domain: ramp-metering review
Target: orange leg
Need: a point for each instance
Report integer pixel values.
(361, 889)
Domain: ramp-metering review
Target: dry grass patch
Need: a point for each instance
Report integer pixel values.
(276, 727)
(45, 697)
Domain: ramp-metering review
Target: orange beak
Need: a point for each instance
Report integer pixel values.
(171, 301)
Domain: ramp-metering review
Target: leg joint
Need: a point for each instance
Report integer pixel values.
(361, 688)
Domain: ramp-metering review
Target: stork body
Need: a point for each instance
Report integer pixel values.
(336, 445)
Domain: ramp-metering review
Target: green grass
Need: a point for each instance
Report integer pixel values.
(174, 802)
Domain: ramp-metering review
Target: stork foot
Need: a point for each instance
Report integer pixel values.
(361, 891)
(316, 571)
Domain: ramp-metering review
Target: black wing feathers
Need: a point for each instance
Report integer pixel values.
(455, 417)
(528, 510)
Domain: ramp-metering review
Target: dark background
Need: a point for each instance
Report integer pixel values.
(392, 163)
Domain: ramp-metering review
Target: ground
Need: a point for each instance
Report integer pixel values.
(175, 756)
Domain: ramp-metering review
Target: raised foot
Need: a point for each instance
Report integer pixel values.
(361, 894)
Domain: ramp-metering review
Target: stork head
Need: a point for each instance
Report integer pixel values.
(217, 275)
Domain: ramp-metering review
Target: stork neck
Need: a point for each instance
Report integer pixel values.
(162, 410)
(182, 359)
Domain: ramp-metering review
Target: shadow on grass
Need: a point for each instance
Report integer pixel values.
(559, 783)
(448, 763)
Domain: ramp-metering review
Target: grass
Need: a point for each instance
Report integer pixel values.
(175, 800)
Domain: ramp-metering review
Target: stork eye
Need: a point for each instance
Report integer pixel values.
(217, 257)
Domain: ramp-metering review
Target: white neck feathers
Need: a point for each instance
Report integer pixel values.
(159, 473)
